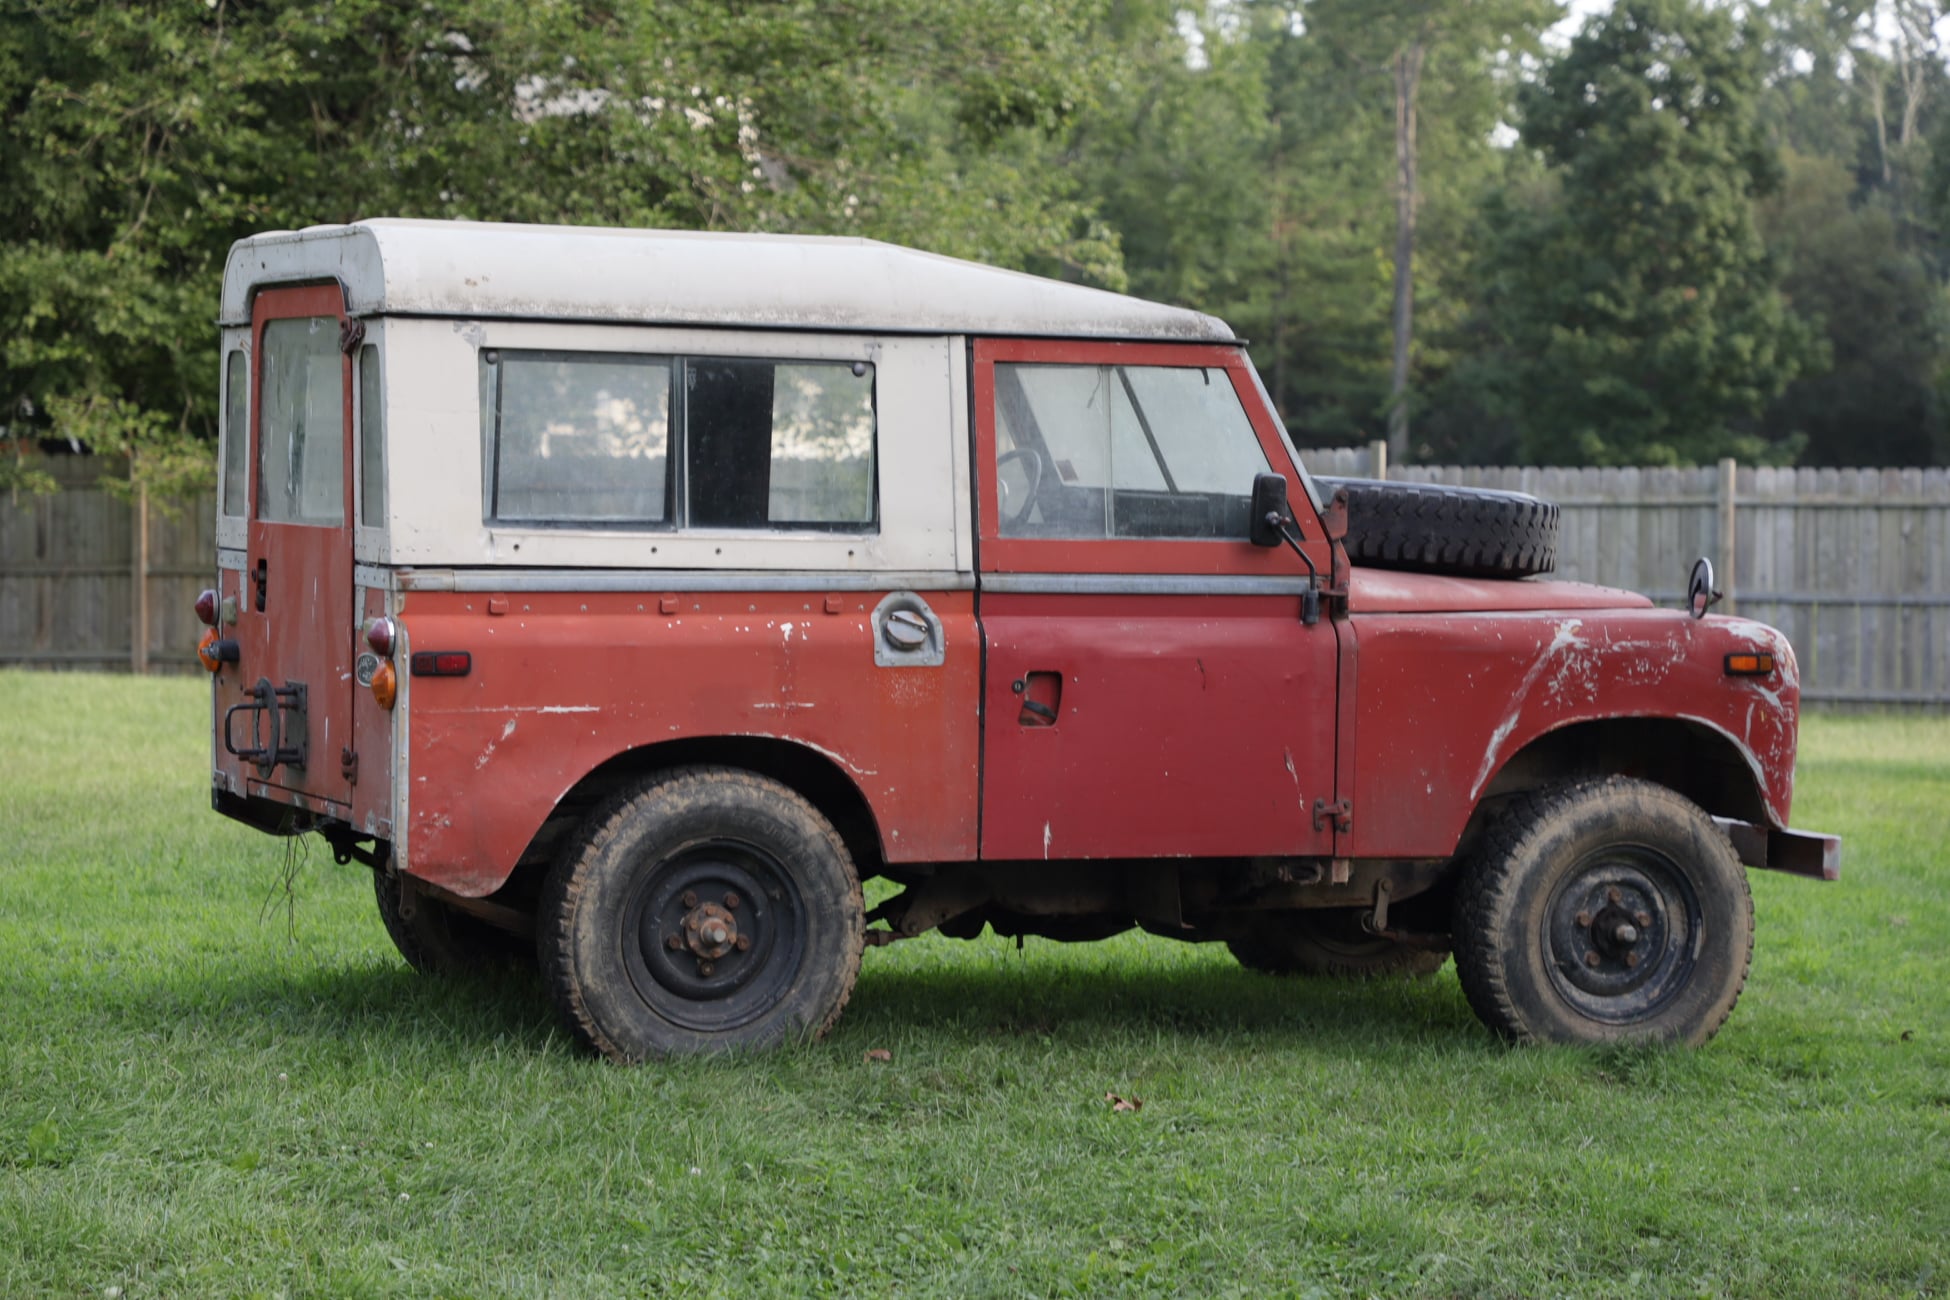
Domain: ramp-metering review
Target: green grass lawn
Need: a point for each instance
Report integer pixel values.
(210, 1087)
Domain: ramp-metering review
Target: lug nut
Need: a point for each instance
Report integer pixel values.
(732, 900)
(674, 942)
(690, 898)
(1612, 896)
(705, 968)
(1632, 959)
(1591, 959)
(1584, 920)
(744, 942)
(1644, 919)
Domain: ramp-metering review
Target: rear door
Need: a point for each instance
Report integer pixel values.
(296, 626)
(1149, 688)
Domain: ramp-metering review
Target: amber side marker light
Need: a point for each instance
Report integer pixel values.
(206, 651)
(1750, 664)
(385, 686)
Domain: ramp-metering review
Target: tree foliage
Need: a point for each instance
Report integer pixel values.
(1601, 260)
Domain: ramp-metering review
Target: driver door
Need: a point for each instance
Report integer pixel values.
(1149, 687)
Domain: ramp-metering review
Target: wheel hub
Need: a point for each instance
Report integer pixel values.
(718, 935)
(1622, 933)
(710, 930)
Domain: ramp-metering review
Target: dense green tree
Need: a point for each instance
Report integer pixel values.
(1632, 311)
(139, 139)
(1882, 315)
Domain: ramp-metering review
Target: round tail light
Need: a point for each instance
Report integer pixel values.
(206, 607)
(379, 635)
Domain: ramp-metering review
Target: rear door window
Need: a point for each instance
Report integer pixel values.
(301, 433)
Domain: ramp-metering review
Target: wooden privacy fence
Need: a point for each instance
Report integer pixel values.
(1854, 565)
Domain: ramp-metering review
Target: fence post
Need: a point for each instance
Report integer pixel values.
(139, 578)
(1724, 566)
(1378, 459)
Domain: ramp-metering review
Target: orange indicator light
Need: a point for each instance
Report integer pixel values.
(1750, 664)
(385, 685)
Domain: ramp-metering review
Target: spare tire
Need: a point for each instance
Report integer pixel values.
(1432, 528)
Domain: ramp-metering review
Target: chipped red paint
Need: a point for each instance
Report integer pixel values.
(1447, 700)
(563, 683)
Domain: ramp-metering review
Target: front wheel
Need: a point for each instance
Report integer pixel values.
(1603, 912)
(705, 909)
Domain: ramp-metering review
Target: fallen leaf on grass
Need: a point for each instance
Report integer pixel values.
(879, 1054)
(1118, 1103)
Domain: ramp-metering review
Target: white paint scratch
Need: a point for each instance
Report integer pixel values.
(1046, 841)
(1564, 638)
(488, 753)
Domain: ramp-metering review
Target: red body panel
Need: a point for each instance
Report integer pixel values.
(562, 683)
(1446, 700)
(1187, 726)
(306, 630)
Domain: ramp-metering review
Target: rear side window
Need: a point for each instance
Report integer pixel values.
(372, 441)
(1123, 451)
(236, 430)
(301, 443)
(650, 441)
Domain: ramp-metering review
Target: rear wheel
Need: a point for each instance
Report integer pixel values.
(1330, 942)
(704, 910)
(1601, 912)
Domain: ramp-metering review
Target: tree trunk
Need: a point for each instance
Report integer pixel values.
(1408, 85)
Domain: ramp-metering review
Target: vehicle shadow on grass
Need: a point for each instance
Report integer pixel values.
(1113, 1000)
(979, 1000)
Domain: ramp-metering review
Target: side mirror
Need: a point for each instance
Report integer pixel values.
(1269, 509)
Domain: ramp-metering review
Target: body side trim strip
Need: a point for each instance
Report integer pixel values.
(1142, 584)
(673, 580)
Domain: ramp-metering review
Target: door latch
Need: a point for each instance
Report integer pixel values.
(1341, 811)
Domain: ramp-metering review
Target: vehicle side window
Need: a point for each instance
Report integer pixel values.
(301, 451)
(236, 429)
(586, 438)
(372, 441)
(1123, 451)
(578, 437)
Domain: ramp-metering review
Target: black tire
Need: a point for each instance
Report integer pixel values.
(1330, 942)
(754, 887)
(442, 940)
(1604, 912)
(1462, 532)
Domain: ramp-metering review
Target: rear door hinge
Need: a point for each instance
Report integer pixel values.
(1340, 810)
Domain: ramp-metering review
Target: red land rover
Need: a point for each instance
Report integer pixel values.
(627, 598)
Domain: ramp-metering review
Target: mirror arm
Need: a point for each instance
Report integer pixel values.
(1289, 531)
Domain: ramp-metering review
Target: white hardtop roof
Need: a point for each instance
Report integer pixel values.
(682, 277)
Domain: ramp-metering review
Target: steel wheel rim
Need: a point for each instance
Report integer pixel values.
(706, 981)
(1622, 933)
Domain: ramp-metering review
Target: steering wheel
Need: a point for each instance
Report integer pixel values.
(1034, 461)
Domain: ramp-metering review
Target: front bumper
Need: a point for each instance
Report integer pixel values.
(1799, 853)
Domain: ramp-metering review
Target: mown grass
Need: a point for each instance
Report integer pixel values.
(208, 1087)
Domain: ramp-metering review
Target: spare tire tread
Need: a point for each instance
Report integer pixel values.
(1434, 528)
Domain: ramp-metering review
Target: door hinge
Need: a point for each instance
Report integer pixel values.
(1340, 810)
